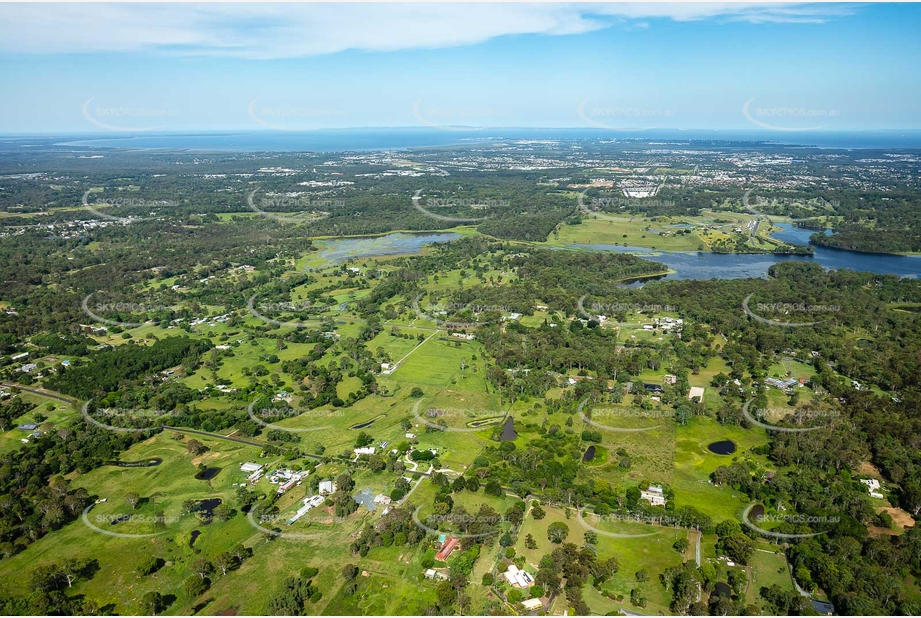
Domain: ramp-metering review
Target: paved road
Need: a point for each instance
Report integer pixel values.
(698, 548)
(41, 392)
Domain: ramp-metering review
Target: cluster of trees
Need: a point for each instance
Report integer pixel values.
(295, 593)
(115, 368)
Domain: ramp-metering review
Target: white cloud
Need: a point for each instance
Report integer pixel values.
(263, 31)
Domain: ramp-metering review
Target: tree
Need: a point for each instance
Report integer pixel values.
(224, 512)
(557, 532)
(642, 576)
(529, 541)
(363, 439)
(538, 512)
(152, 603)
(681, 545)
(149, 564)
(195, 447)
(349, 572)
(224, 562)
(195, 586)
(132, 499)
(202, 567)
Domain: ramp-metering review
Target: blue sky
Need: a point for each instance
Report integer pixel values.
(781, 67)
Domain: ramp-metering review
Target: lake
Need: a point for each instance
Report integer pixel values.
(698, 265)
(686, 264)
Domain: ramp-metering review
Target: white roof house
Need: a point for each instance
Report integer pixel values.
(517, 577)
(368, 450)
(873, 486)
(532, 604)
(655, 495)
(251, 467)
(327, 487)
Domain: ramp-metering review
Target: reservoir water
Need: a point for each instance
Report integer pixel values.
(686, 264)
(699, 265)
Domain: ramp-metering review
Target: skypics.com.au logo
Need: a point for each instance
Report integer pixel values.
(758, 204)
(474, 420)
(623, 519)
(116, 309)
(820, 520)
(282, 308)
(600, 311)
(788, 118)
(455, 118)
(471, 314)
(755, 418)
(123, 118)
(126, 420)
(616, 117)
(486, 204)
(787, 308)
(158, 521)
(612, 415)
(435, 524)
(290, 117)
(122, 203)
(268, 416)
(292, 208)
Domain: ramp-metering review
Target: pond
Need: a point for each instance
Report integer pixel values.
(757, 513)
(195, 535)
(723, 447)
(207, 506)
(722, 589)
(339, 250)
(508, 430)
(589, 453)
(207, 474)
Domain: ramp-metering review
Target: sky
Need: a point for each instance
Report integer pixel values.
(102, 68)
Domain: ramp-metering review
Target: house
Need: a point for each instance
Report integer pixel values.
(309, 503)
(367, 450)
(447, 548)
(654, 494)
(16, 357)
(250, 467)
(28, 427)
(327, 487)
(873, 487)
(696, 392)
(652, 388)
(532, 604)
(517, 577)
(433, 574)
(823, 608)
(410, 436)
(670, 379)
(28, 367)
